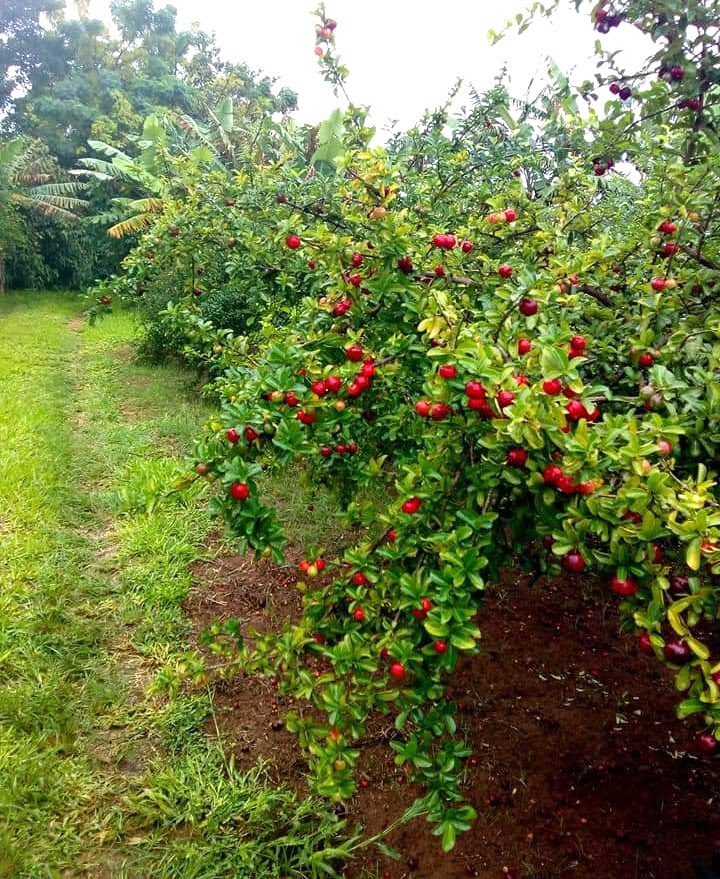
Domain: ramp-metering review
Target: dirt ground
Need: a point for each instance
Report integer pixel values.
(580, 768)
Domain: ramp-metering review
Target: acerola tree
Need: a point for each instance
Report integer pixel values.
(554, 386)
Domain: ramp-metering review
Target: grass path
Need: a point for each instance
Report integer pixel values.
(98, 778)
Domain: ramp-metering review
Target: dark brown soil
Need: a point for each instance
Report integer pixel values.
(580, 770)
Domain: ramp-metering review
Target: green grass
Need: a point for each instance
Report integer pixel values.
(97, 777)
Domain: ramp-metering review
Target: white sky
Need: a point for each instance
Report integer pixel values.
(403, 56)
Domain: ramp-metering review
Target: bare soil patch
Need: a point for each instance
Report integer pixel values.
(580, 768)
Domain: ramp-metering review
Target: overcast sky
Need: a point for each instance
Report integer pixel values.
(403, 56)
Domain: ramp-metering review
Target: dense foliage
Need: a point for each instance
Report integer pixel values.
(69, 83)
(512, 343)
(497, 339)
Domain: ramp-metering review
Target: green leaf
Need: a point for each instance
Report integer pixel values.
(449, 836)
(554, 363)
(688, 707)
(698, 648)
(692, 554)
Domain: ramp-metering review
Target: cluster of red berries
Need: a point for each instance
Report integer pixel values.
(578, 344)
(331, 385)
(675, 73)
(364, 379)
(601, 166)
(312, 569)
(340, 449)
(342, 307)
(605, 21)
(233, 435)
(622, 91)
(555, 476)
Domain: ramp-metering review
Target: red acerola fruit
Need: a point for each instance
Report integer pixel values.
(359, 615)
(646, 360)
(566, 484)
(528, 307)
(551, 474)
(439, 240)
(281, 198)
(467, 247)
(354, 390)
(475, 390)
(552, 386)
(250, 434)
(359, 579)
(293, 242)
(505, 271)
(439, 411)
(505, 398)
(304, 566)
(670, 248)
(624, 588)
(368, 369)
(573, 562)
(447, 370)
(411, 506)
(579, 343)
(645, 644)
(354, 353)
(440, 647)
(333, 383)
(510, 215)
(677, 72)
(232, 436)
(575, 410)
(357, 260)
(439, 271)
(706, 743)
(355, 280)
(391, 535)
(405, 265)
(524, 346)
(516, 457)
(239, 491)
(658, 284)
(585, 488)
(306, 417)
(679, 584)
(325, 451)
(664, 448)
(667, 227)
(481, 406)
(677, 651)
(422, 407)
(521, 380)
(319, 388)
(352, 448)
(362, 381)
(342, 307)
(341, 448)
(397, 670)
(320, 564)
